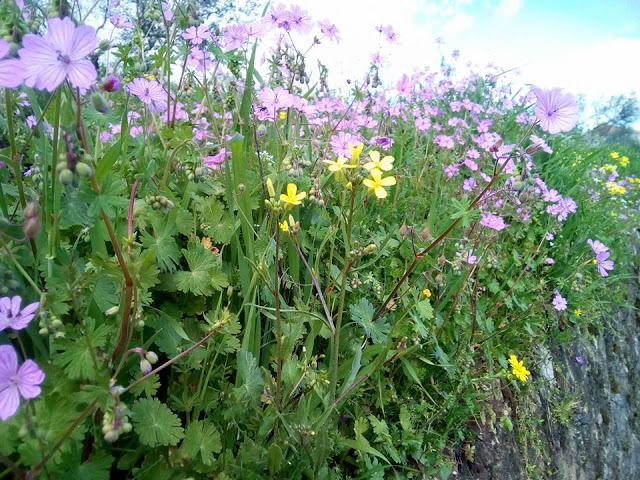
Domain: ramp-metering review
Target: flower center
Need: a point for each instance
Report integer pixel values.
(63, 58)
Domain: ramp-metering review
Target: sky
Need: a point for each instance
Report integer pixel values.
(589, 47)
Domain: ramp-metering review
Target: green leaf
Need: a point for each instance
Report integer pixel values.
(463, 212)
(78, 356)
(155, 423)
(215, 215)
(252, 382)
(201, 438)
(149, 386)
(425, 310)
(362, 313)
(163, 242)
(198, 279)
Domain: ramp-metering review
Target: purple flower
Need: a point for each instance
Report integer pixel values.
(597, 246)
(559, 302)
(539, 142)
(111, 84)
(580, 360)
(275, 99)
(59, 55)
(16, 381)
(563, 208)
(471, 258)
(556, 111)
(495, 222)
(341, 143)
(444, 141)
(214, 161)
(11, 70)
(549, 236)
(196, 34)
(603, 264)
(11, 316)
(298, 20)
(150, 93)
(166, 11)
(549, 261)
(234, 36)
(330, 30)
(119, 21)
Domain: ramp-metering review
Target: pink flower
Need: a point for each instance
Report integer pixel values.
(59, 55)
(197, 34)
(234, 36)
(119, 21)
(298, 20)
(559, 302)
(556, 111)
(330, 30)
(495, 222)
(166, 11)
(603, 264)
(15, 381)
(111, 84)
(11, 70)
(214, 161)
(275, 99)
(341, 143)
(149, 92)
(11, 316)
(597, 246)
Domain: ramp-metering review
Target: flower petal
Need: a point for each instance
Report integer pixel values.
(9, 402)
(30, 377)
(82, 73)
(8, 364)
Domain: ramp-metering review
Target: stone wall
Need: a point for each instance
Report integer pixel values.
(583, 424)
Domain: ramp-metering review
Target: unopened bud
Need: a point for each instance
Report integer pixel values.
(113, 310)
(151, 357)
(369, 249)
(270, 189)
(145, 366)
(32, 210)
(99, 103)
(31, 227)
(104, 45)
(111, 436)
(530, 149)
(261, 130)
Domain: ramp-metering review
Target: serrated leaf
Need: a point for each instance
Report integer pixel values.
(425, 310)
(201, 438)
(77, 357)
(215, 215)
(198, 279)
(252, 382)
(149, 386)
(155, 423)
(163, 242)
(362, 314)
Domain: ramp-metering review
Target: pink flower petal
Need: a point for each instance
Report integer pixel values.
(8, 364)
(30, 377)
(82, 73)
(9, 402)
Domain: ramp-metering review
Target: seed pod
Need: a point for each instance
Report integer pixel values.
(83, 169)
(32, 210)
(66, 176)
(31, 227)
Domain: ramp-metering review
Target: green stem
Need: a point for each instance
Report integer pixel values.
(24, 273)
(276, 288)
(343, 292)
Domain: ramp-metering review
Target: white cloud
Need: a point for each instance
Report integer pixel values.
(458, 24)
(509, 8)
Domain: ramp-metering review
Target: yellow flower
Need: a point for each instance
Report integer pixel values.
(282, 115)
(578, 312)
(270, 189)
(517, 368)
(376, 183)
(624, 161)
(385, 164)
(337, 167)
(609, 167)
(149, 76)
(356, 150)
(292, 198)
(614, 154)
(615, 189)
(426, 292)
(284, 226)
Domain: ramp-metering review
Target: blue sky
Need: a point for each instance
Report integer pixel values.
(589, 46)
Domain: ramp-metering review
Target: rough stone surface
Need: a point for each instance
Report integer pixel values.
(600, 437)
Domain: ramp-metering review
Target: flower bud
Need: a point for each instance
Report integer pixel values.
(104, 45)
(99, 103)
(113, 310)
(151, 357)
(262, 130)
(270, 189)
(145, 366)
(530, 149)
(111, 436)
(31, 227)
(66, 176)
(83, 169)
(32, 210)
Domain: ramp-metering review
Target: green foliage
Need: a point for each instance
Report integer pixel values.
(155, 423)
